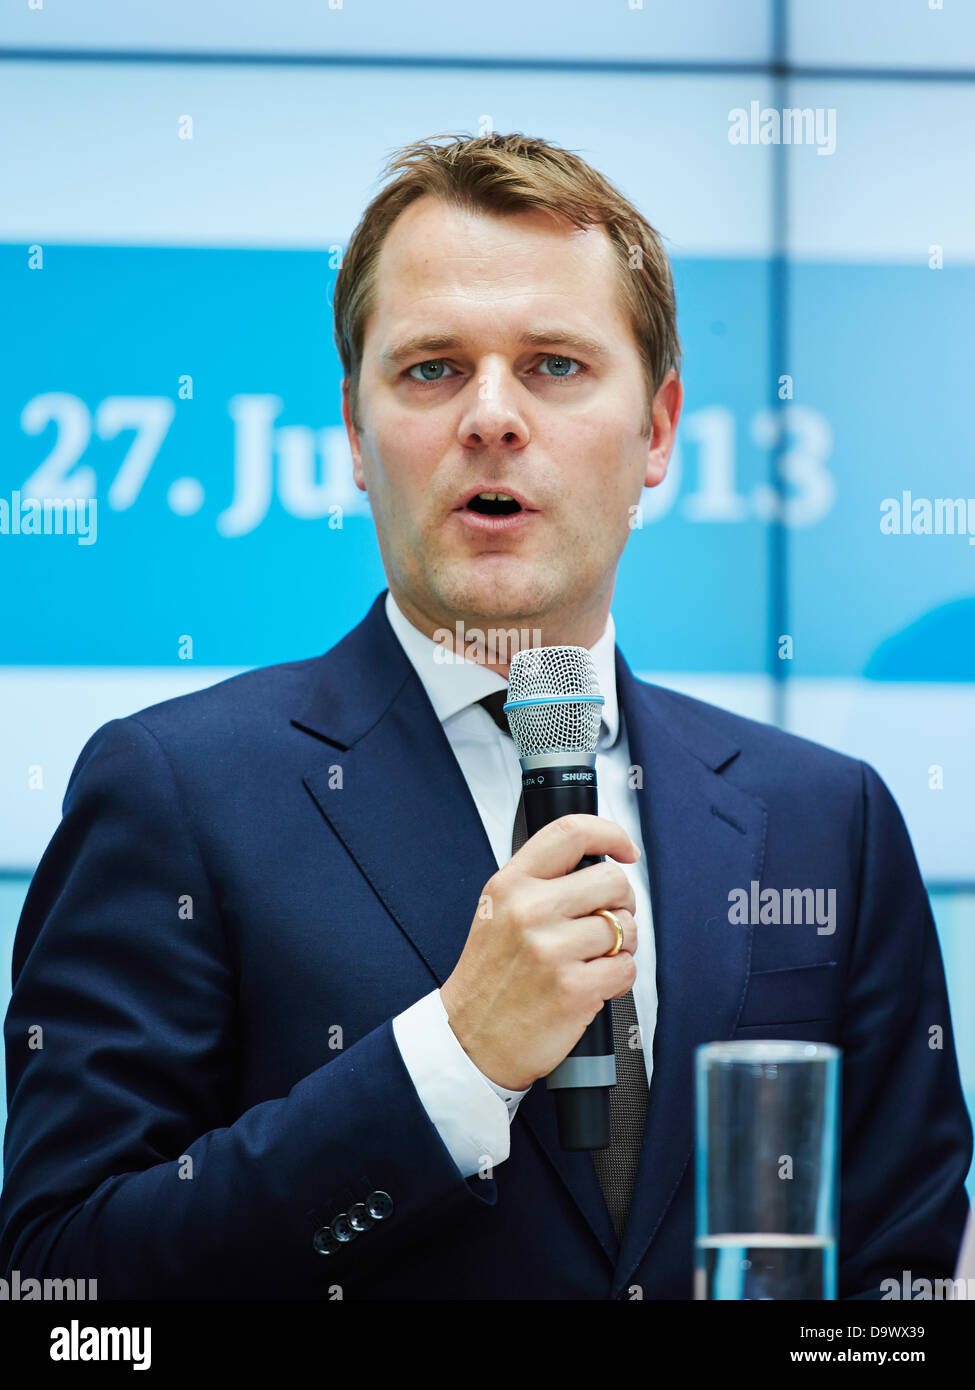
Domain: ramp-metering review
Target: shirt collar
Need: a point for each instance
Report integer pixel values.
(457, 682)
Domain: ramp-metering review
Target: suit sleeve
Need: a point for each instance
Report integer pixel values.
(907, 1137)
(127, 1159)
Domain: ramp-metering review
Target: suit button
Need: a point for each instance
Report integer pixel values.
(341, 1228)
(324, 1242)
(359, 1218)
(379, 1205)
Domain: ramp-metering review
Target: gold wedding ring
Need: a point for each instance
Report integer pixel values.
(611, 917)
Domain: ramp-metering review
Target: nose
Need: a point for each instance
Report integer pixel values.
(491, 413)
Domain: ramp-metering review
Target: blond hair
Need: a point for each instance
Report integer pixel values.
(507, 174)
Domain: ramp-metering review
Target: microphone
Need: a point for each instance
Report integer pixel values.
(554, 711)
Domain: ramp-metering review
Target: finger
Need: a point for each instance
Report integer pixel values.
(611, 975)
(588, 938)
(599, 885)
(557, 847)
(600, 935)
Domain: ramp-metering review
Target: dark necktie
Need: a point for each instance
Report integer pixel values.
(492, 703)
(616, 1166)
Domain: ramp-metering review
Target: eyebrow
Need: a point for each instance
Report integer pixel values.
(419, 343)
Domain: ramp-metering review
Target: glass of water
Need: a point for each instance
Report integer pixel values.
(767, 1188)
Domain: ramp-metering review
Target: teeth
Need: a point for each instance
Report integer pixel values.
(495, 497)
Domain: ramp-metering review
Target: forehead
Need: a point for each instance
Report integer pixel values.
(438, 259)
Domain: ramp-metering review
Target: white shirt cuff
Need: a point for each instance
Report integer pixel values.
(471, 1113)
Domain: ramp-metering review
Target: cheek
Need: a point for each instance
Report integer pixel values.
(403, 472)
(408, 430)
(598, 438)
(605, 477)
(409, 451)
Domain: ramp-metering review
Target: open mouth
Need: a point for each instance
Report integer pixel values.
(493, 504)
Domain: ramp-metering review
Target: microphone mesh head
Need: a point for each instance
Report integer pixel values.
(560, 726)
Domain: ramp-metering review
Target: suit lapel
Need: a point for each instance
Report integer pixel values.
(403, 809)
(703, 836)
(405, 814)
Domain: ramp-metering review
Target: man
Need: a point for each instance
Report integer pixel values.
(297, 995)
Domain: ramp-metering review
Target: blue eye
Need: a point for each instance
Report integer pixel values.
(436, 362)
(436, 369)
(564, 364)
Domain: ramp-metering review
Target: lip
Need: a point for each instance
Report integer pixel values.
(506, 488)
(494, 525)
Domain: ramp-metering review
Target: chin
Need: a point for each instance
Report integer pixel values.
(518, 592)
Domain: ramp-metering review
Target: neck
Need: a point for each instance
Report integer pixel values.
(493, 642)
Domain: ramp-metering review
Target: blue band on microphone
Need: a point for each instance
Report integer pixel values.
(583, 1071)
(556, 700)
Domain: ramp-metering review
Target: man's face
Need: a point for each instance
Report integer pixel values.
(498, 358)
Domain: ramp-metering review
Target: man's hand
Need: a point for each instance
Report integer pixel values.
(533, 974)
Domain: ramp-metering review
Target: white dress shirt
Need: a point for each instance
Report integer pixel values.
(470, 1111)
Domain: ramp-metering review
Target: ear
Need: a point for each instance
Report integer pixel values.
(667, 405)
(354, 446)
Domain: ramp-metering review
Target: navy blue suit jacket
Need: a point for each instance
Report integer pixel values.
(316, 823)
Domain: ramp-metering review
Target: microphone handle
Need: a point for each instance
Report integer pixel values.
(557, 785)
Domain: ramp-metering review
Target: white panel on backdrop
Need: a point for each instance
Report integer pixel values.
(508, 29)
(899, 180)
(904, 731)
(55, 711)
(276, 159)
(882, 33)
(919, 738)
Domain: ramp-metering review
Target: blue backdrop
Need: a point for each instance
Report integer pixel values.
(180, 182)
